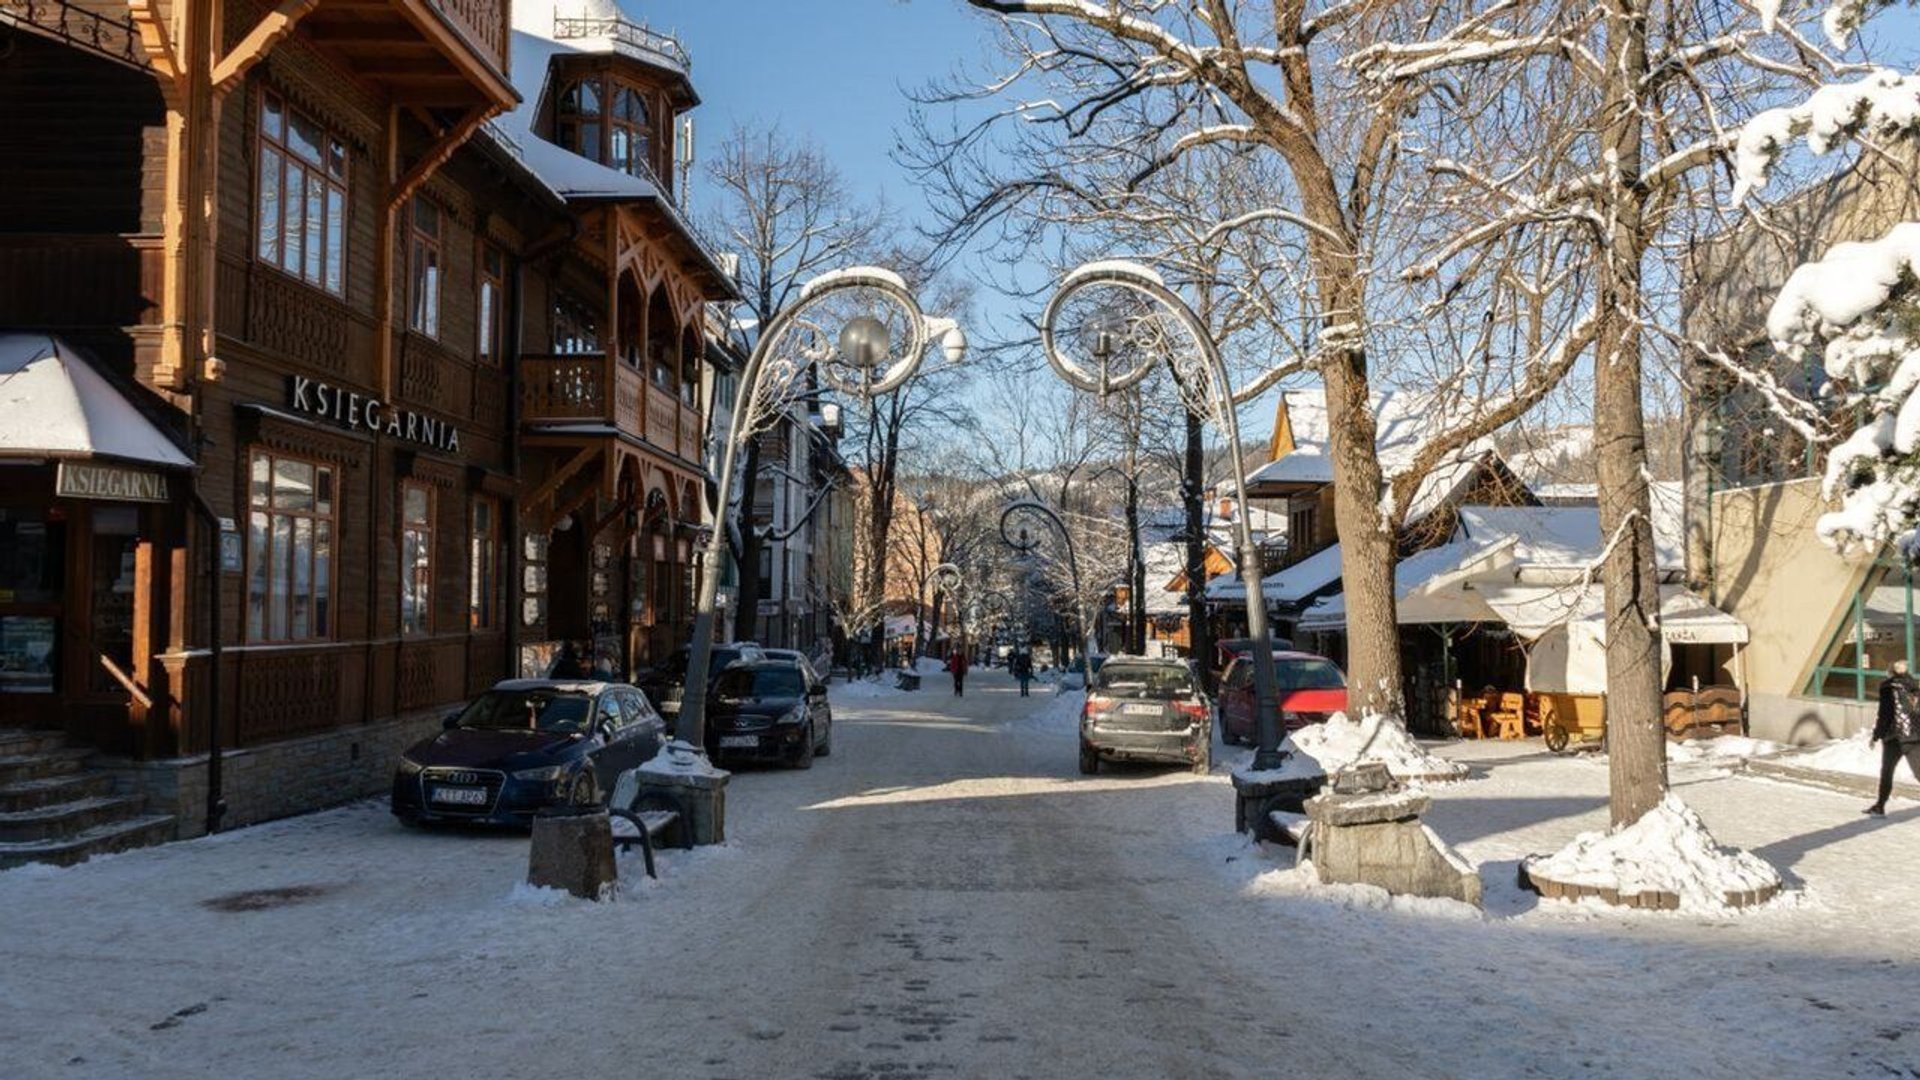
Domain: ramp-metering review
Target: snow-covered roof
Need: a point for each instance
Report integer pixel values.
(1164, 561)
(54, 404)
(1419, 584)
(1553, 538)
(1287, 586)
(1404, 419)
(1532, 610)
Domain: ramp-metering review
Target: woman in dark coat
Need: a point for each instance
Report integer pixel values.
(1897, 730)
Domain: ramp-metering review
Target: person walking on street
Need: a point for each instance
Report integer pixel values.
(957, 663)
(1897, 730)
(1023, 670)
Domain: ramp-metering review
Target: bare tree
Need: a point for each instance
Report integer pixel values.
(782, 210)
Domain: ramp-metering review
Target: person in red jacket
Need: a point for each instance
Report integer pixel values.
(957, 663)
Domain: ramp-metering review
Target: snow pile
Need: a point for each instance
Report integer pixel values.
(1667, 851)
(1881, 104)
(1724, 748)
(1324, 749)
(1302, 882)
(1853, 755)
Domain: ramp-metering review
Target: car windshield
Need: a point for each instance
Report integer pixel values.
(1308, 675)
(561, 711)
(1143, 681)
(760, 682)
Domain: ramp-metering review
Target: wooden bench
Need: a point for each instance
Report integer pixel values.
(1295, 829)
(654, 819)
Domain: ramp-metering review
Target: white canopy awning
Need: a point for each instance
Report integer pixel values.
(53, 404)
(1685, 618)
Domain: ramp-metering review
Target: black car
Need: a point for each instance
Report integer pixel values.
(524, 745)
(1145, 709)
(665, 683)
(769, 710)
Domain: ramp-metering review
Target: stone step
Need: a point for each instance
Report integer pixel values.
(21, 742)
(99, 840)
(18, 767)
(48, 790)
(63, 820)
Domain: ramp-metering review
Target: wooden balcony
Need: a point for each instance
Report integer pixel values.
(425, 52)
(588, 388)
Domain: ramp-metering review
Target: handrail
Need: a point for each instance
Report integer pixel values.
(635, 36)
(126, 681)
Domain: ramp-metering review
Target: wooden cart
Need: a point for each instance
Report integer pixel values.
(1578, 721)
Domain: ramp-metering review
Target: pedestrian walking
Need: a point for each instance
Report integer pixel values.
(1023, 670)
(957, 664)
(1897, 730)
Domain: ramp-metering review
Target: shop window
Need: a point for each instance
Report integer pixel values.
(574, 327)
(300, 219)
(290, 529)
(424, 263)
(1876, 630)
(32, 576)
(416, 559)
(490, 305)
(483, 570)
(580, 119)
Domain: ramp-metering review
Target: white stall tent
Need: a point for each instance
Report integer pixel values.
(1566, 626)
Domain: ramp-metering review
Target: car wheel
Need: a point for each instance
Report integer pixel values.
(826, 744)
(1089, 760)
(804, 759)
(586, 789)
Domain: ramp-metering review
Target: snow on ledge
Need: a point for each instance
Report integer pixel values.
(1669, 850)
(680, 758)
(822, 282)
(1100, 267)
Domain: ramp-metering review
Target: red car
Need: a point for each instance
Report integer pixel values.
(1310, 688)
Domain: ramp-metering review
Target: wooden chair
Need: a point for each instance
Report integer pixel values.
(1508, 713)
(1466, 719)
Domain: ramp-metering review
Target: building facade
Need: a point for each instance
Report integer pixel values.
(420, 363)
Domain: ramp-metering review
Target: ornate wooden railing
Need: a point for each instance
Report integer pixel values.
(634, 39)
(570, 386)
(103, 28)
(485, 24)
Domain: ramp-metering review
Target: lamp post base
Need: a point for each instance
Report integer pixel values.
(683, 775)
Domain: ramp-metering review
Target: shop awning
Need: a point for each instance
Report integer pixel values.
(53, 404)
(1685, 618)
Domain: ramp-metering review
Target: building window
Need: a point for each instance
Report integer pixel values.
(490, 305)
(300, 220)
(416, 559)
(630, 130)
(580, 119)
(574, 327)
(1878, 629)
(689, 376)
(483, 569)
(424, 261)
(290, 530)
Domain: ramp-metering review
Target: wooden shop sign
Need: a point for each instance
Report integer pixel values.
(361, 412)
(114, 483)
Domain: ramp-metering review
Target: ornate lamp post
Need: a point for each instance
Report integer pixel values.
(1128, 321)
(844, 327)
(1020, 539)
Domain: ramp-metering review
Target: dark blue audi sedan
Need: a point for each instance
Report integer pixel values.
(525, 745)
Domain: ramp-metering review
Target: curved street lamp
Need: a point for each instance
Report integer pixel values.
(1135, 322)
(1022, 541)
(867, 304)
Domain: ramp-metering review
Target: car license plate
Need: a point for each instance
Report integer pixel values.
(460, 796)
(1142, 710)
(739, 740)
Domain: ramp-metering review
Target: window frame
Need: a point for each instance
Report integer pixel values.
(483, 566)
(1886, 570)
(416, 579)
(262, 627)
(424, 297)
(334, 176)
(489, 304)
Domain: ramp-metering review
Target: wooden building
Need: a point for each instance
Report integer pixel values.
(429, 390)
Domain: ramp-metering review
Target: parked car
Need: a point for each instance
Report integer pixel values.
(802, 660)
(525, 745)
(1146, 709)
(1308, 689)
(769, 710)
(666, 682)
(1227, 650)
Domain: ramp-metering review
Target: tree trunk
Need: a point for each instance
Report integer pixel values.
(746, 612)
(1636, 741)
(1193, 494)
(1368, 547)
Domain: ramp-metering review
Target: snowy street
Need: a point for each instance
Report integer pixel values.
(945, 896)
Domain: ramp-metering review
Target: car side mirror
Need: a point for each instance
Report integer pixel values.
(450, 721)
